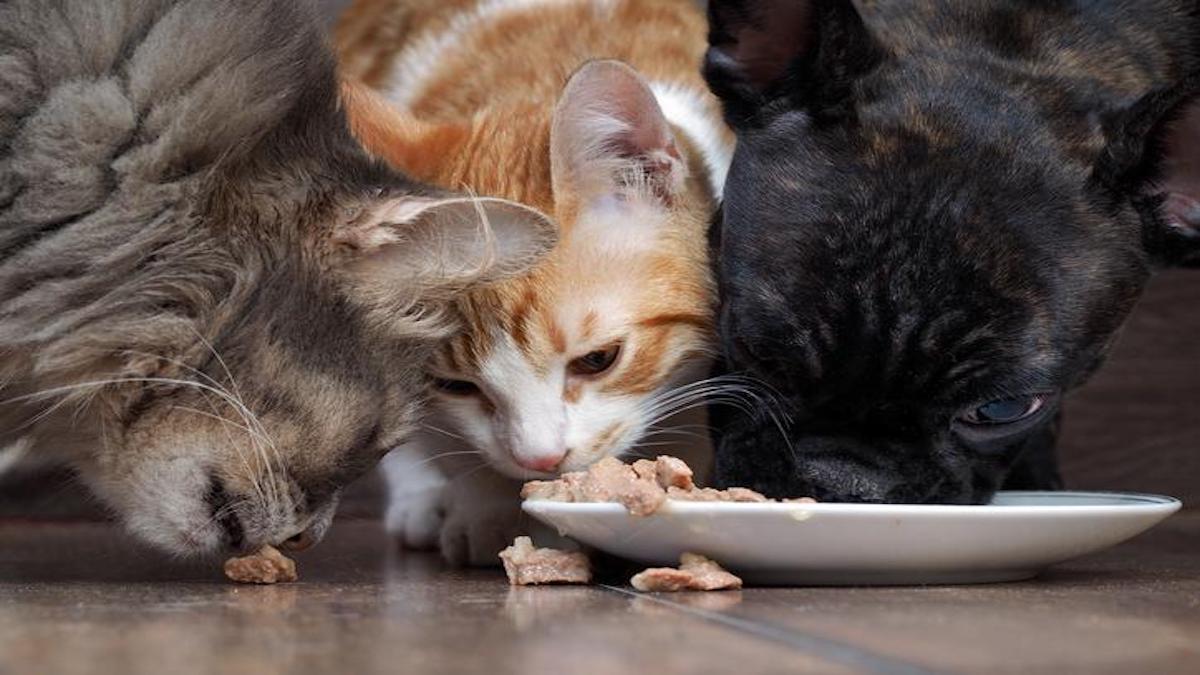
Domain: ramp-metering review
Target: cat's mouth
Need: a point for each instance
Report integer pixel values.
(223, 513)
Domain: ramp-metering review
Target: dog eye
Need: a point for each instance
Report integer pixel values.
(1006, 410)
(456, 387)
(594, 363)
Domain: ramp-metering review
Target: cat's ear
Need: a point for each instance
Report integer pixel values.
(421, 248)
(1154, 160)
(610, 138)
(806, 52)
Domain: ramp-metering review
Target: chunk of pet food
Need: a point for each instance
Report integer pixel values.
(264, 566)
(695, 573)
(548, 490)
(800, 500)
(611, 480)
(672, 472)
(713, 495)
(737, 494)
(527, 565)
(645, 469)
(642, 487)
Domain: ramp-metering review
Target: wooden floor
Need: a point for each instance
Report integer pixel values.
(81, 598)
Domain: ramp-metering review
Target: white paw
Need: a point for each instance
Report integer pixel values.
(475, 535)
(415, 488)
(415, 518)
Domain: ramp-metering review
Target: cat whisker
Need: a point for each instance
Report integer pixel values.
(737, 390)
(444, 432)
(442, 455)
(729, 395)
(217, 516)
(466, 473)
(657, 433)
(241, 400)
(684, 429)
(723, 382)
(92, 386)
(250, 474)
(671, 403)
(261, 440)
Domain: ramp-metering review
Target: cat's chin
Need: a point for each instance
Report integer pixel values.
(511, 469)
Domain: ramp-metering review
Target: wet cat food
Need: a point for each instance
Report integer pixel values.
(530, 566)
(695, 573)
(642, 487)
(264, 566)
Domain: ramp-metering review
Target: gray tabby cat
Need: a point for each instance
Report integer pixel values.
(213, 303)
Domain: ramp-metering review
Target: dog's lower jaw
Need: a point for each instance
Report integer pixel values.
(766, 462)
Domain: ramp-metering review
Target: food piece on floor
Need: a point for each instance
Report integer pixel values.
(695, 573)
(642, 487)
(264, 566)
(800, 500)
(527, 565)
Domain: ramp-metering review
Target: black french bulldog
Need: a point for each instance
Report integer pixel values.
(939, 215)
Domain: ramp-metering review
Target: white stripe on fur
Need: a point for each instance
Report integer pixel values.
(418, 62)
(687, 109)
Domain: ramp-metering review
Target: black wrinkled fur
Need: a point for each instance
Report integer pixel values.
(935, 206)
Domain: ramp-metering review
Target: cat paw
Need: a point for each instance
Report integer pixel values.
(415, 520)
(475, 537)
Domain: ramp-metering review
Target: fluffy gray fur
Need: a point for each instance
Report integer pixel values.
(191, 251)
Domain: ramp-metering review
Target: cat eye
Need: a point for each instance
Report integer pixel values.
(1006, 410)
(456, 387)
(594, 363)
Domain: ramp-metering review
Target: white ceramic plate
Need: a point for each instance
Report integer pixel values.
(1015, 537)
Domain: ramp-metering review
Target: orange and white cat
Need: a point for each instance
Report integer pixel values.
(594, 113)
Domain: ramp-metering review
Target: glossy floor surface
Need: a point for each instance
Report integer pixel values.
(81, 598)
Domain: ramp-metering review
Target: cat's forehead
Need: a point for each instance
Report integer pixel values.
(564, 310)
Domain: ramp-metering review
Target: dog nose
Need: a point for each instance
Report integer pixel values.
(542, 462)
(300, 541)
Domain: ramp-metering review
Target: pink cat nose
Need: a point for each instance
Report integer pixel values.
(541, 462)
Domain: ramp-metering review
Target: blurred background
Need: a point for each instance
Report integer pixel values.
(1135, 426)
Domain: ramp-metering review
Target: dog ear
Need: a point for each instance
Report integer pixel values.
(808, 52)
(1154, 161)
(1175, 238)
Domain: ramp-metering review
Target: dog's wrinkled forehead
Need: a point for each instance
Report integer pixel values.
(864, 324)
(902, 277)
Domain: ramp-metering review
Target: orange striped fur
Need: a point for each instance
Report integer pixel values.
(480, 95)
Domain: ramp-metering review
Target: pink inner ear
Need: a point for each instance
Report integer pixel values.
(608, 119)
(1181, 169)
(629, 100)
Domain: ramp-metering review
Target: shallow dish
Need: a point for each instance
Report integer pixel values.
(1015, 537)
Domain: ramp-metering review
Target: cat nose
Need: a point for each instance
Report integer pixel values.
(542, 462)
